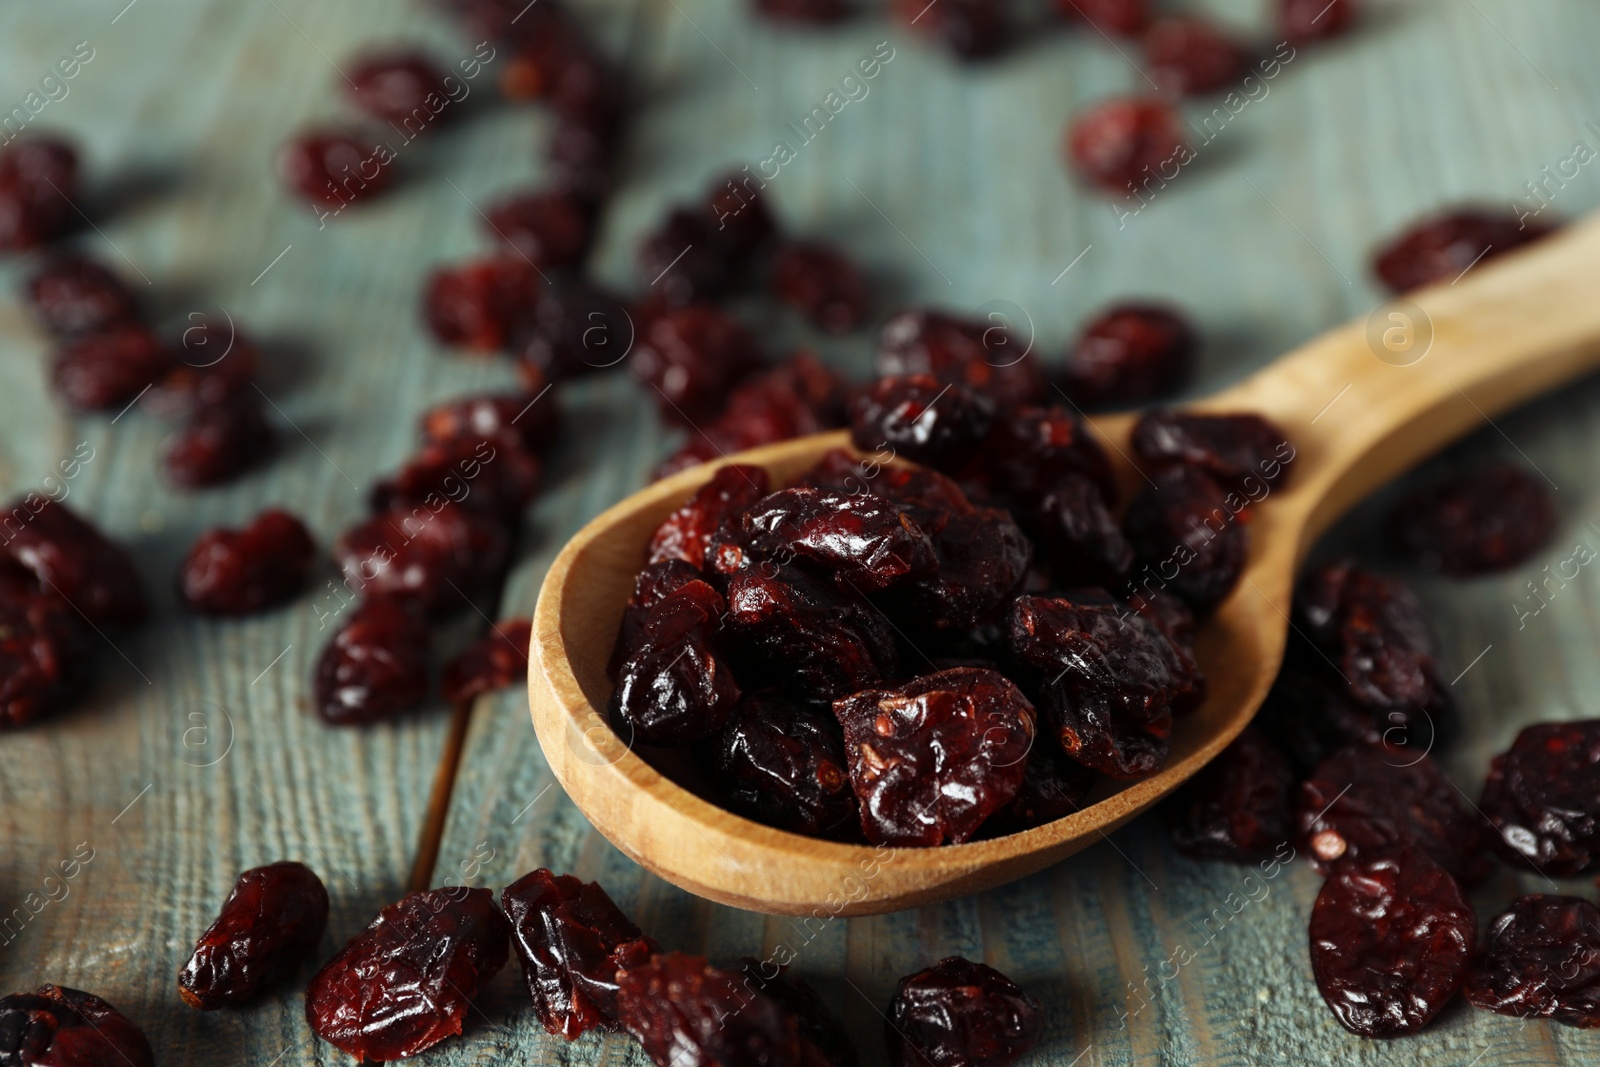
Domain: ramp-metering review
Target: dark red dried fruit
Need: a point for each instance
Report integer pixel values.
(982, 559)
(1171, 616)
(782, 763)
(240, 572)
(478, 305)
(743, 225)
(972, 29)
(984, 356)
(1123, 145)
(817, 1024)
(1110, 680)
(44, 651)
(532, 420)
(921, 419)
(686, 261)
(72, 560)
(437, 556)
(1541, 960)
(405, 89)
(1543, 798)
(687, 532)
(1391, 938)
(653, 583)
(571, 941)
(56, 1025)
(1189, 55)
(76, 295)
(215, 366)
(1079, 536)
(958, 1013)
(38, 186)
(1306, 21)
(821, 641)
(933, 758)
(1489, 520)
(821, 283)
(1362, 802)
(498, 660)
(1190, 532)
(686, 1013)
(107, 371)
(334, 168)
(1131, 353)
(551, 228)
(490, 474)
(1445, 246)
(219, 443)
(574, 329)
(807, 12)
(375, 667)
(1053, 787)
(1125, 18)
(1031, 451)
(1242, 452)
(677, 687)
(405, 983)
(690, 357)
(545, 44)
(1237, 807)
(863, 541)
(269, 925)
(1309, 717)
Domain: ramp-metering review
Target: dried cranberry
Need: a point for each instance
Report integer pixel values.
(270, 924)
(72, 560)
(375, 667)
(549, 227)
(922, 419)
(972, 29)
(543, 50)
(1081, 539)
(77, 295)
(744, 226)
(982, 559)
(932, 759)
(1237, 807)
(1391, 938)
(571, 940)
(927, 497)
(652, 584)
(1446, 246)
(686, 1013)
(1309, 717)
(809, 12)
(782, 763)
(405, 983)
(1125, 18)
(821, 641)
(1188, 55)
(1184, 524)
(1123, 145)
(574, 329)
(56, 1025)
(1031, 451)
(1541, 960)
(219, 443)
(334, 168)
(1242, 452)
(44, 651)
(495, 661)
(1053, 787)
(1306, 21)
(1490, 520)
(677, 687)
(865, 542)
(107, 371)
(687, 532)
(1543, 798)
(215, 366)
(958, 1013)
(590, 90)
(1363, 801)
(1131, 353)
(822, 283)
(477, 306)
(240, 572)
(1170, 615)
(489, 474)
(405, 89)
(817, 1024)
(685, 260)
(38, 186)
(532, 421)
(436, 556)
(985, 356)
(691, 357)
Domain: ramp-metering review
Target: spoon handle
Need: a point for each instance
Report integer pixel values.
(1373, 398)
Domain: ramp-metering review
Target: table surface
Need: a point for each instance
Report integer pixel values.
(196, 755)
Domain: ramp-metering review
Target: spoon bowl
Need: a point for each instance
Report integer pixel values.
(1359, 405)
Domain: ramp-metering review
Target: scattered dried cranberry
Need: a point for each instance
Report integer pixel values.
(653, 583)
(1053, 787)
(686, 261)
(686, 1013)
(1185, 524)
(1541, 960)
(744, 226)
(495, 661)
(1237, 807)
(44, 651)
(533, 421)
(1081, 539)
(817, 1024)
(1391, 938)
(38, 186)
(543, 51)
(1489, 520)
(240, 572)
(375, 667)
(1122, 145)
(984, 356)
(333, 168)
(922, 419)
(691, 357)
(1309, 717)
(782, 763)
(1442, 248)
(933, 758)
(405, 89)
(107, 371)
(809, 12)
(573, 329)
(76, 295)
(56, 1025)
(677, 687)
(822, 283)
(1363, 801)
(477, 306)
(1188, 55)
(72, 560)
(1543, 798)
(215, 366)
(1131, 353)
(972, 29)
(549, 227)
(687, 532)
(491, 474)
(958, 1013)
(270, 924)
(1032, 450)
(864, 541)
(405, 983)
(219, 443)
(1125, 18)
(571, 941)
(436, 556)
(1242, 452)
(1307, 21)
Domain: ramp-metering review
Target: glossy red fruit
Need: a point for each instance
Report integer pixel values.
(551, 228)
(1124, 145)
(1487, 521)
(958, 1013)
(981, 558)
(240, 572)
(574, 329)
(1543, 798)
(219, 443)
(1391, 939)
(819, 1027)
(407, 981)
(686, 1013)
(1188, 55)
(940, 424)
(864, 542)
(686, 533)
(571, 940)
(107, 371)
(375, 667)
(333, 168)
(1122, 18)
(1309, 717)
(38, 188)
(1444, 247)
(270, 924)
(1078, 535)
(1541, 960)
(932, 759)
(1184, 524)
(1305, 22)
(407, 90)
(822, 283)
(1238, 807)
(216, 366)
(677, 687)
(74, 295)
(1030, 451)
(492, 475)
(531, 420)
(44, 651)
(71, 559)
(653, 583)
(55, 1025)
(1053, 787)
(479, 305)
(434, 556)
(498, 660)
(782, 763)
(1131, 353)
(972, 29)
(689, 358)
(988, 356)
(1243, 452)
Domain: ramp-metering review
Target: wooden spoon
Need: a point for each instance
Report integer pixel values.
(1361, 404)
